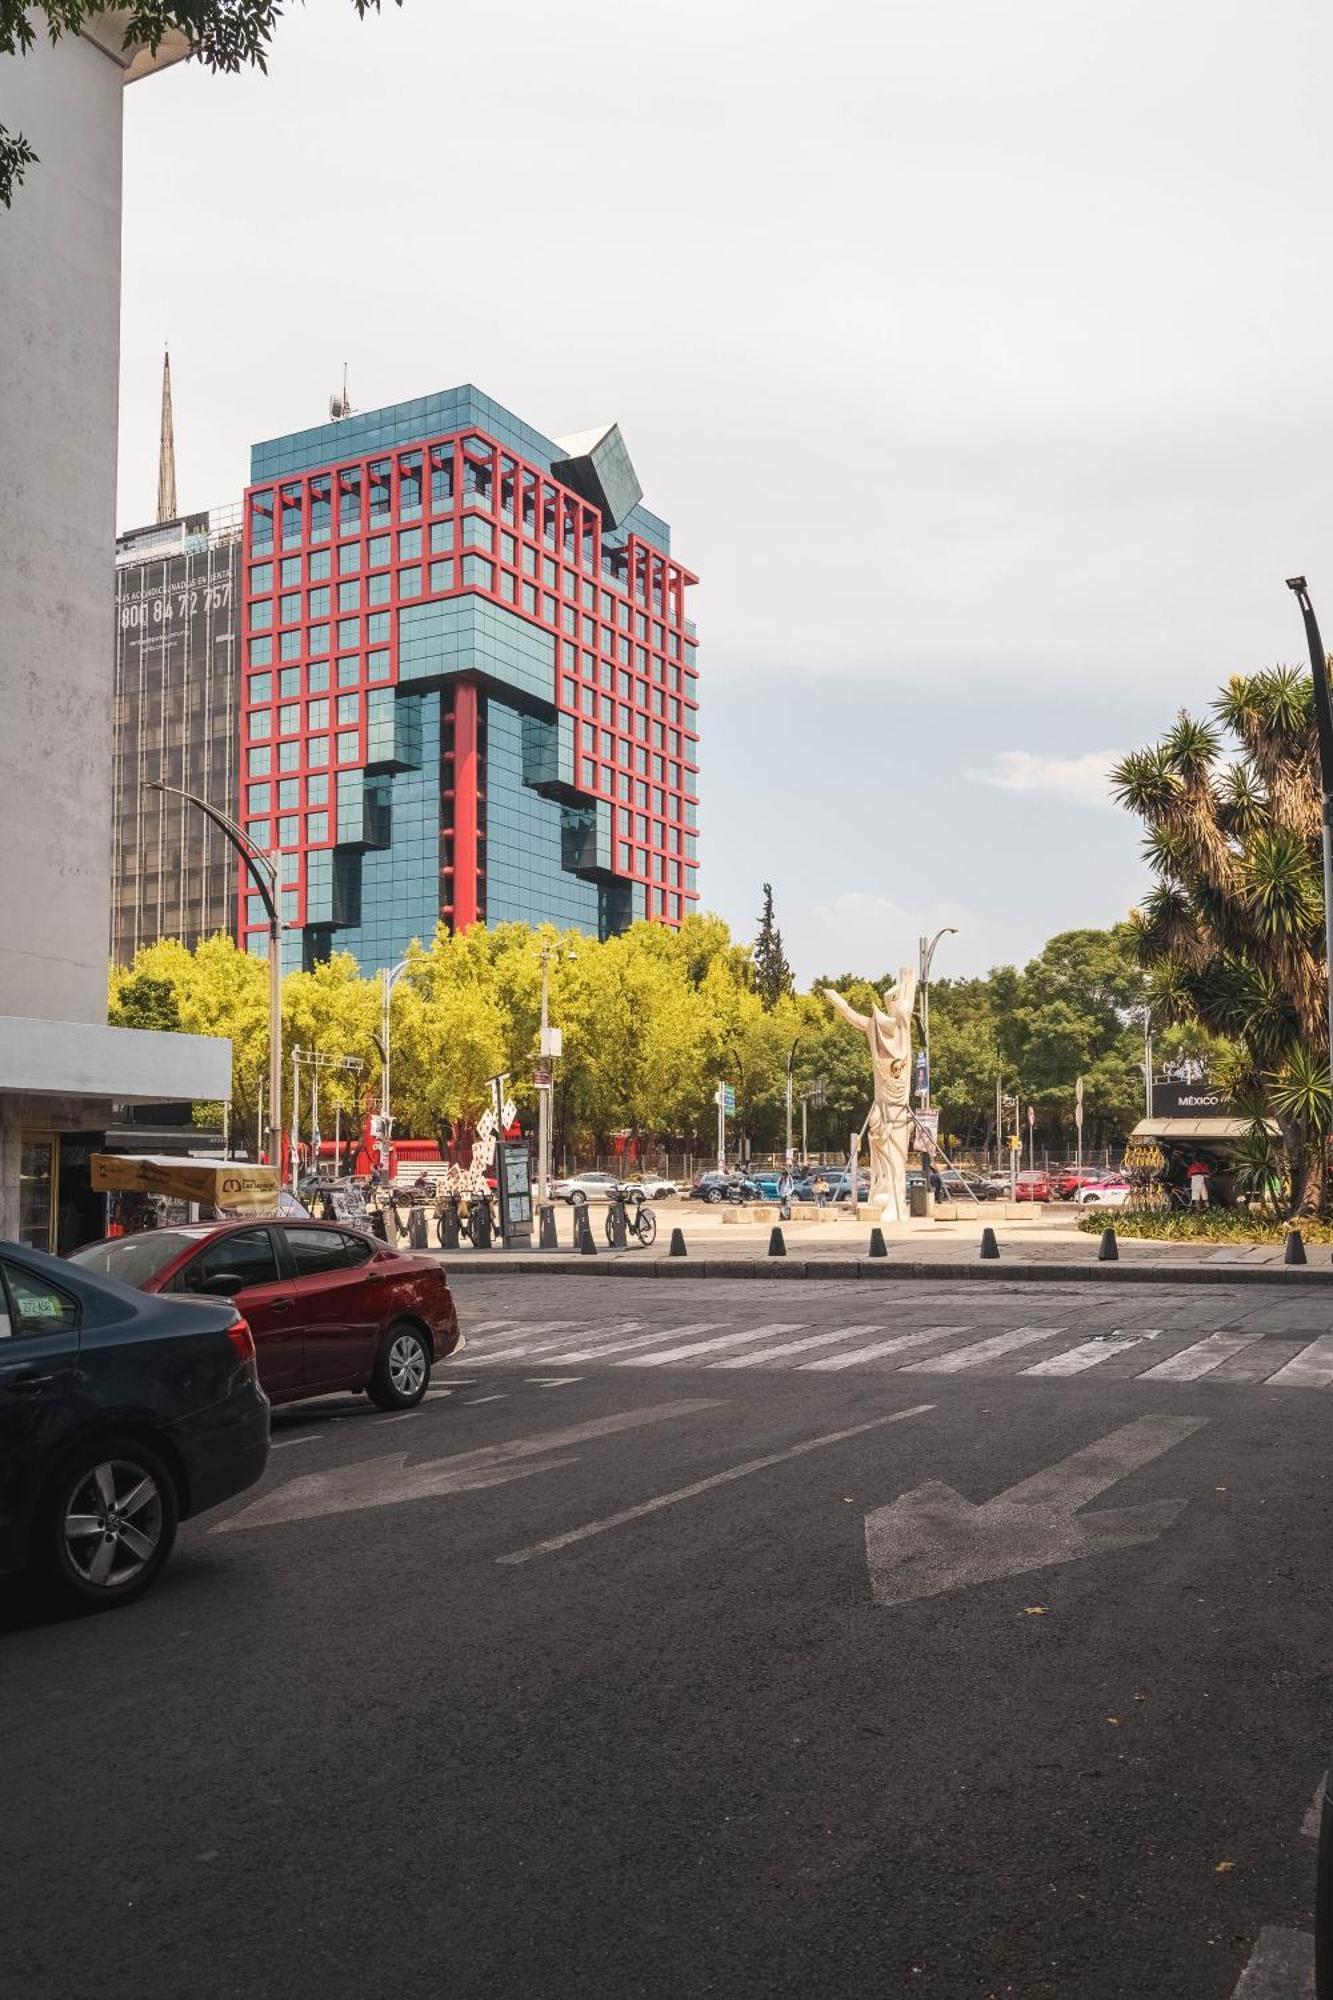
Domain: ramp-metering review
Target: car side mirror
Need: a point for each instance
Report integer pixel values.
(223, 1284)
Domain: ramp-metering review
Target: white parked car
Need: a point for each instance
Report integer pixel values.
(592, 1186)
(1112, 1193)
(651, 1187)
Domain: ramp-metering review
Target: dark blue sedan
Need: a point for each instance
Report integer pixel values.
(120, 1414)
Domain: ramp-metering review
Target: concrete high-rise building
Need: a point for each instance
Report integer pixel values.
(177, 720)
(63, 1070)
(470, 682)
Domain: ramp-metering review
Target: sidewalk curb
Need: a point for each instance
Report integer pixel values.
(632, 1264)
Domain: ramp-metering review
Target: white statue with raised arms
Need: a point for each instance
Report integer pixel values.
(889, 1034)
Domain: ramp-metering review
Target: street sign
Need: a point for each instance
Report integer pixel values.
(726, 1096)
(1015, 1143)
(541, 1079)
(1078, 1091)
(1078, 1116)
(1032, 1116)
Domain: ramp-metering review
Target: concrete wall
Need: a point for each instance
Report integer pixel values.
(59, 330)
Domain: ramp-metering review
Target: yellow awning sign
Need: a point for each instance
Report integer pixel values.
(233, 1187)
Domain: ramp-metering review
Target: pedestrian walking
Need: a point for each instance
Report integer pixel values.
(784, 1194)
(1197, 1175)
(821, 1191)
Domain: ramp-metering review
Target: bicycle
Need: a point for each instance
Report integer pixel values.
(640, 1221)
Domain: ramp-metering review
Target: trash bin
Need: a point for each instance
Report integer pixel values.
(918, 1200)
(417, 1228)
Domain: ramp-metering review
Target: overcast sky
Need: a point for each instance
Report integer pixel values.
(978, 355)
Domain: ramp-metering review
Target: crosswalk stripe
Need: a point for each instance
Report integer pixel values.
(1311, 1369)
(1201, 1359)
(899, 1344)
(554, 1333)
(978, 1352)
(694, 1347)
(767, 1354)
(602, 1347)
(1092, 1353)
(490, 1326)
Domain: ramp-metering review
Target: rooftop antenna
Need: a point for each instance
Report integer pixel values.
(166, 452)
(340, 406)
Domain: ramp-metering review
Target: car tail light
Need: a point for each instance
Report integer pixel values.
(241, 1338)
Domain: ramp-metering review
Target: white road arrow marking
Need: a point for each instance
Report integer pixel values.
(932, 1540)
(386, 1482)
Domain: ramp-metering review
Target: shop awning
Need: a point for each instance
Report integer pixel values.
(1196, 1131)
(233, 1187)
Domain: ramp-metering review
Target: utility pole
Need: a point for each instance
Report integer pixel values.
(551, 1044)
(296, 1114)
(790, 1061)
(389, 978)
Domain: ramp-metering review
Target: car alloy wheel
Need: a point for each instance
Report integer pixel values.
(402, 1369)
(112, 1525)
(407, 1364)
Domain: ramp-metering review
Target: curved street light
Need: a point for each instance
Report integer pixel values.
(1323, 715)
(923, 980)
(263, 872)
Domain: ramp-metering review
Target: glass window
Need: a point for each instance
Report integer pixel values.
(257, 799)
(317, 715)
(289, 832)
(246, 1254)
(261, 687)
(261, 578)
(317, 750)
(317, 790)
(289, 755)
(317, 828)
(291, 571)
(35, 1304)
(258, 761)
(377, 588)
(289, 645)
(317, 676)
(316, 1250)
(349, 557)
(318, 565)
(349, 672)
(349, 631)
(259, 832)
(349, 708)
(289, 794)
(289, 607)
(409, 544)
(261, 722)
(317, 639)
(378, 550)
(261, 614)
(409, 582)
(441, 536)
(349, 595)
(442, 576)
(318, 601)
(377, 628)
(289, 683)
(377, 665)
(289, 720)
(349, 747)
(261, 651)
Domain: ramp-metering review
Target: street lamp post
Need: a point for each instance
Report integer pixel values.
(1323, 710)
(389, 978)
(790, 1061)
(927, 949)
(263, 872)
(549, 1046)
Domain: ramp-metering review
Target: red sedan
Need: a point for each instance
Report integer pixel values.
(330, 1307)
(1032, 1185)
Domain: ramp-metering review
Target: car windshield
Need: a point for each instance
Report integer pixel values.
(133, 1260)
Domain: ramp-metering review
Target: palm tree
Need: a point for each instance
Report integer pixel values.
(1232, 929)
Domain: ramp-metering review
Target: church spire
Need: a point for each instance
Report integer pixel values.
(166, 459)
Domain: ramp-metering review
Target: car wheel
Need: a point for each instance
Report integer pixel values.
(108, 1527)
(578, 1200)
(402, 1369)
(713, 1194)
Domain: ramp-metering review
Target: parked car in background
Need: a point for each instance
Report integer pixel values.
(1112, 1191)
(592, 1186)
(766, 1180)
(119, 1416)
(1032, 1185)
(1066, 1181)
(650, 1187)
(331, 1307)
(958, 1186)
(715, 1187)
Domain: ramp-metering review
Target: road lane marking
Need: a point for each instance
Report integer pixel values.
(491, 1326)
(281, 1444)
(1092, 1353)
(390, 1480)
(901, 1343)
(794, 1347)
(603, 1346)
(553, 1333)
(474, 1402)
(1281, 1967)
(398, 1417)
(1311, 1369)
(646, 1507)
(552, 1381)
(1201, 1359)
(694, 1347)
(978, 1352)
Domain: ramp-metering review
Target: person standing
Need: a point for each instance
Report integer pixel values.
(784, 1193)
(1197, 1175)
(821, 1191)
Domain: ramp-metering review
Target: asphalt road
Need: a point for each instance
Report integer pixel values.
(647, 1673)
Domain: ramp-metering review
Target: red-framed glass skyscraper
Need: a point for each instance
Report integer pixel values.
(470, 685)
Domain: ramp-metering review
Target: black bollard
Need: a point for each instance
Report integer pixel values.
(449, 1226)
(547, 1238)
(776, 1245)
(989, 1247)
(1295, 1250)
(1109, 1252)
(583, 1235)
(878, 1247)
(615, 1225)
(677, 1243)
(375, 1224)
(417, 1237)
(480, 1214)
